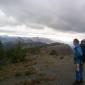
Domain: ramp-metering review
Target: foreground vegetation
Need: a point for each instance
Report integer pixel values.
(19, 62)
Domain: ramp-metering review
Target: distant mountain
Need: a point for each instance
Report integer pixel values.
(5, 39)
(47, 44)
(26, 41)
(41, 39)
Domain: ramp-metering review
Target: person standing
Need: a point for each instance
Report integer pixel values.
(78, 60)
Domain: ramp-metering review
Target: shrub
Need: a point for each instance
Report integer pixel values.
(18, 74)
(16, 54)
(34, 50)
(2, 53)
(62, 57)
(53, 52)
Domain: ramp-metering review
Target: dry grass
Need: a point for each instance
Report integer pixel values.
(38, 80)
(18, 69)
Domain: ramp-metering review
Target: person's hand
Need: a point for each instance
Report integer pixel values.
(77, 67)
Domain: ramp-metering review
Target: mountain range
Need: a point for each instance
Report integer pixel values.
(10, 41)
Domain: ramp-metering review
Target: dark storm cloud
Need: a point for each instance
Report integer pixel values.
(65, 15)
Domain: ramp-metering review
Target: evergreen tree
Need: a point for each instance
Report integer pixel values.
(2, 53)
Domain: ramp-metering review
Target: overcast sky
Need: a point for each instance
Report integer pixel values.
(54, 19)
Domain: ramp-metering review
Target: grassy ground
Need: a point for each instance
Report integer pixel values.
(43, 70)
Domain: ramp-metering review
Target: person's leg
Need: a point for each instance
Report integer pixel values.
(77, 72)
(81, 72)
(77, 81)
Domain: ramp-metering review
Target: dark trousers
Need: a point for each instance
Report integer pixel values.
(79, 74)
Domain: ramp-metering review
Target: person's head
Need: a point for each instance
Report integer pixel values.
(83, 41)
(75, 41)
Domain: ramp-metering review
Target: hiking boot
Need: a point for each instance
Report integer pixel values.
(77, 83)
(81, 81)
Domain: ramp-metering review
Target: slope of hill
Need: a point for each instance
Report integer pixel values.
(43, 68)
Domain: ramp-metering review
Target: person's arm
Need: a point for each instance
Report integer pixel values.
(80, 53)
(75, 54)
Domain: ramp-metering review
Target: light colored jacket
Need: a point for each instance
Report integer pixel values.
(78, 54)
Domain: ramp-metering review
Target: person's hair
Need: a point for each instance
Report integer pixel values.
(76, 40)
(83, 41)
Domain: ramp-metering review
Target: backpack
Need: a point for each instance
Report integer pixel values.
(83, 50)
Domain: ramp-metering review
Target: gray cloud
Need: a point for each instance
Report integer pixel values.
(64, 15)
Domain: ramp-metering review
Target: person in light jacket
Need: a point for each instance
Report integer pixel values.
(78, 60)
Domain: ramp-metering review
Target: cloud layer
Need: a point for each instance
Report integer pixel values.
(63, 15)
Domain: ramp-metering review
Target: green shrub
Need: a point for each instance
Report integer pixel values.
(54, 52)
(16, 54)
(2, 54)
(61, 57)
(34, 50)
(18, 74)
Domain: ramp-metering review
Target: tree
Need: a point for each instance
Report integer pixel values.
(2, 53)
(17, 53)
